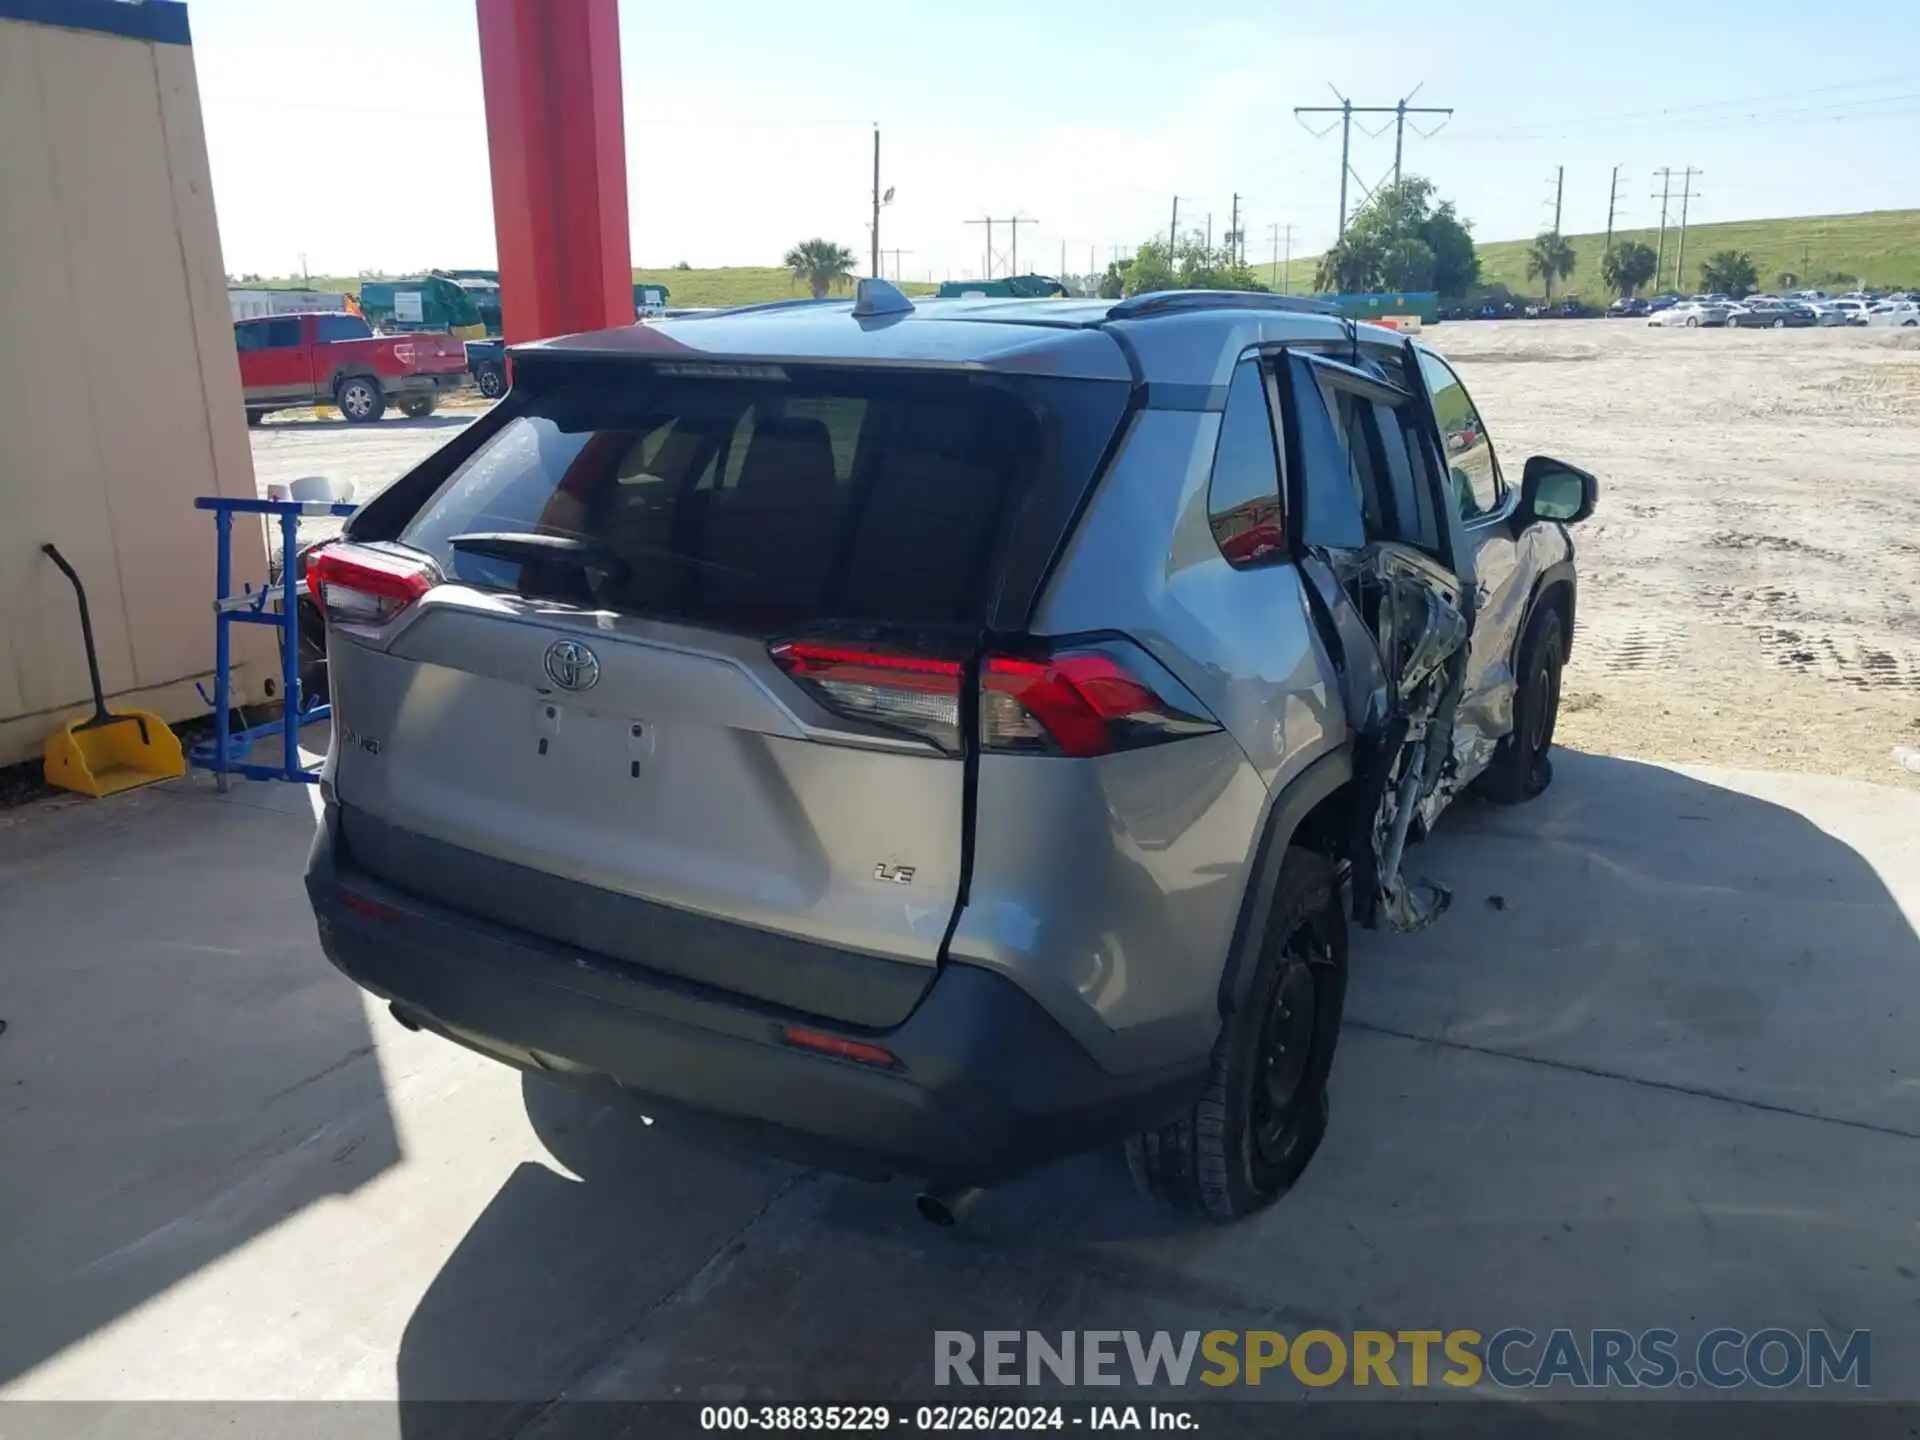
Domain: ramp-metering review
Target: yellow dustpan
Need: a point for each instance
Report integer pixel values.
(109, 752)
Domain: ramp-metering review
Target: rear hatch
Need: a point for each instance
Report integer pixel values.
(671, 667)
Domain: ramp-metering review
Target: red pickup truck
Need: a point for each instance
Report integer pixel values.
(336, 359)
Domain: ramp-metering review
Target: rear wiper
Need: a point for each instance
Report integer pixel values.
(526, 549)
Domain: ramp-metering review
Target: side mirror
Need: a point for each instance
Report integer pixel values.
(1554, 490)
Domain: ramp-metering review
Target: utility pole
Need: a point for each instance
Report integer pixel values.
(876, 199)
(1686, 194)
(1613, 199)
(1666, 194)
(1209, 232)
(1014, 222)
(1277, 233)
(1173, 230)
(897, 272)
(1233, 231)
(988, 222)
(1346, 110)
(1559, 193)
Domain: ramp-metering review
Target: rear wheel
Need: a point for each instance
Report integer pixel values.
(1693, 322)
(416, 407)
(1779, 323)
(1523, 767)
(1263, 1114)
(492, 381)
(360, 399)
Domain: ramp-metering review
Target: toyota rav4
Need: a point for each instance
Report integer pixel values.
(936, 737)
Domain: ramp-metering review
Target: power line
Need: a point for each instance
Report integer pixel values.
(1346, 110)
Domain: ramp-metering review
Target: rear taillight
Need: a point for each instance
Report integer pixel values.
(915, 693)
(1079, 701)
(361, 586)
(1082, 702)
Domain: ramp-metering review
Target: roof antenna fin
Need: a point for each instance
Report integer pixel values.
(875, 296)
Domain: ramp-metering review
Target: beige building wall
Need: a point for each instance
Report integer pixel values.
(119, 388)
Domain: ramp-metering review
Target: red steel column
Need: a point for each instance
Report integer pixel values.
(551, 72)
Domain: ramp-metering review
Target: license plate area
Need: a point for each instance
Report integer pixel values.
(588, 744)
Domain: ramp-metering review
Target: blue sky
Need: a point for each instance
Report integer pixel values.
(352, 130)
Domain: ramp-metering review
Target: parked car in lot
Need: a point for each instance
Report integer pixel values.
(487, 363)
(1903, 314)
(1690, 314)
(1629, 306)
(1769, 314)
(1828, 314)
(1854, 310)
(335, 358)
(820, 724)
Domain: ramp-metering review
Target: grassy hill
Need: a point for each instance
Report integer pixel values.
(1880, 248)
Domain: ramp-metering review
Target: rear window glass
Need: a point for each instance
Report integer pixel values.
(751, 505)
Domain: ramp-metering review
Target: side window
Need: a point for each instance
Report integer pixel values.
(1475, 473)
(328, 328)
(250, 335)
(1243, 495)
(1389, 485)
(282, 334)
(1323, 479)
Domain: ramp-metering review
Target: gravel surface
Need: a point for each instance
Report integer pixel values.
(1750, 585)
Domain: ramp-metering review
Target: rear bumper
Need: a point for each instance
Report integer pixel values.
(988, 1084)
(427, 382)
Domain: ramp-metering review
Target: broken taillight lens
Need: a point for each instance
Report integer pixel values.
(361, 586)
(915, 693)
(1082, 702)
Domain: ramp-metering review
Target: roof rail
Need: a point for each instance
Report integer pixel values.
(1178, 302)
(763, 305)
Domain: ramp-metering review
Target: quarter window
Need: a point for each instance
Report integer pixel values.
(1243, 495)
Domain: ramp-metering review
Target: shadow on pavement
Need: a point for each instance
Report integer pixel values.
(445, 420)
(1615, 1098)
(181, 1069)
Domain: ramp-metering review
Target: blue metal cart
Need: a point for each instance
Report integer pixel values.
(278, 606)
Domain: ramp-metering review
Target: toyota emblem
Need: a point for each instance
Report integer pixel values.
(571, 665)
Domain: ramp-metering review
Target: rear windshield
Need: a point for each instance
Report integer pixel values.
(756, 504)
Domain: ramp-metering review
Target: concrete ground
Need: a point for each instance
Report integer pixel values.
(1655, 1068)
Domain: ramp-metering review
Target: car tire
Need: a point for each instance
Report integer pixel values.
(418, 407)
(1779, 324)
(1522, 765)
(1254, 1130)
(360, 399)
(492, 381)
(1693, 322)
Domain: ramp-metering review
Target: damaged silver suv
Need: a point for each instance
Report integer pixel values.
(936, 737)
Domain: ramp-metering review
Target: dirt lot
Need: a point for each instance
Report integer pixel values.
(1750, 587)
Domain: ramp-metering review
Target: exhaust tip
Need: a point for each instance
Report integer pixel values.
(947, 1208)
(407, 1022)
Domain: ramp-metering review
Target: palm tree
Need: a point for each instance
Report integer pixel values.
(1550, 258)
(820, 265)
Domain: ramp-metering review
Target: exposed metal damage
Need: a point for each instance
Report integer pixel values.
(1402, 625)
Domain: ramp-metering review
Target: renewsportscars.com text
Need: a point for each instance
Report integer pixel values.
(1719, 1359)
